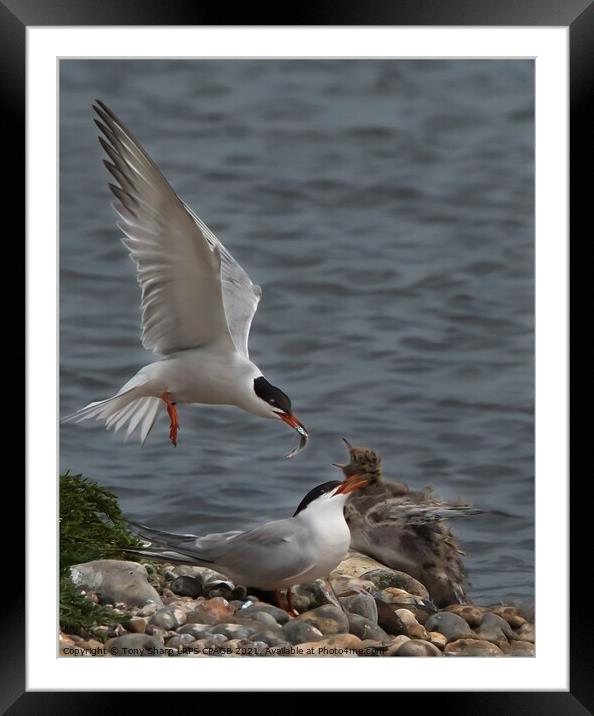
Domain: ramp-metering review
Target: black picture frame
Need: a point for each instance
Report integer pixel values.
(578, 15)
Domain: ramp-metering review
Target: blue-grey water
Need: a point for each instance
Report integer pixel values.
(386, 208)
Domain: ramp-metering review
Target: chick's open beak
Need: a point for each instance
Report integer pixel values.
(352, 483)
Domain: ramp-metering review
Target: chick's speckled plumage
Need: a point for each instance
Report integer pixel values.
(405, 529)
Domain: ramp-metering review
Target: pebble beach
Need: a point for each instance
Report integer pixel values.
(180, 610)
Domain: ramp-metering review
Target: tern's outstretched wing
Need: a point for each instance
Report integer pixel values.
(240, 295)
(179, 270)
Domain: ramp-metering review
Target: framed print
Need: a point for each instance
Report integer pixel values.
(397, 184)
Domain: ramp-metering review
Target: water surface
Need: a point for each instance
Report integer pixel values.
(386, 208)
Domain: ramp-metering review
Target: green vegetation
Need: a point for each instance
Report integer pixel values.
(92, 526)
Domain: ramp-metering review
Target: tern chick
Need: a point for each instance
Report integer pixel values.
(405, 529)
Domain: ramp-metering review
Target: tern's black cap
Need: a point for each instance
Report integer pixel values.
(316, 492)
(272, 395)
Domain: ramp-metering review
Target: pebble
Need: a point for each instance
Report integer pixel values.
(187, 586)
(219, 589)
(449, 624)
(198, 631)
(312, 595)
(417, 647)
(395, 644)
(472, 615)
(366, 629)
(336, 645)
(118, 630)
(472, 647)
(297, 632)
(395, 595)
(156, 631)
(356, 564)
(279, 615)
(148, 610)
(344, 585)
(327, 618)
(262, 618)
(388, 620)
(246, 647)
(362, 604)
(169, 617)
(519, 648)
(438, 639)
(511, 615)
(115, 580)
(204, 573)
(370, 647)
(213, 611)
(134, 645)
(384, 578)
(495, 629)
(180, 641)
(234, 631)
(525, 633)
(413, 629)
(271, 636)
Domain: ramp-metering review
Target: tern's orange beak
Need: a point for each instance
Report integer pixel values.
(291, 420)
(352, 483)
(297, 425)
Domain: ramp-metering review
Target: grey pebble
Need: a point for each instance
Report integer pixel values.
(279, 615)
(327, 618)
(168, 618)
(134, 645)
(115, 580)
(383, 578)
(417, 647)
(366, 629)
(180, 640)
(198, 631)
(362, 604)
(187, 586)
(449, 624)
(297, 632)
(272, 637)
(234, 631)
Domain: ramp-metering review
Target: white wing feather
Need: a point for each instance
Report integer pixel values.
(193, 291)
(240, 295)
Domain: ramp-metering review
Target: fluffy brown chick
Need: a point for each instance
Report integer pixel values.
(405, 529)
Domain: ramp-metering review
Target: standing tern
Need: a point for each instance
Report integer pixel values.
(405, 529)
(275, 555)
(197, 304)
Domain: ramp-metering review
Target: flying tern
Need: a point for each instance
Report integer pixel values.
(197, 304)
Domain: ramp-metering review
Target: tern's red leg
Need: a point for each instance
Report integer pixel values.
(278, 599)
(172, 412)
(290, 609)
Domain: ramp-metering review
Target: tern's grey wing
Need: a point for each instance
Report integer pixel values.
(240, 295)
(178, 269)
(274, 551)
